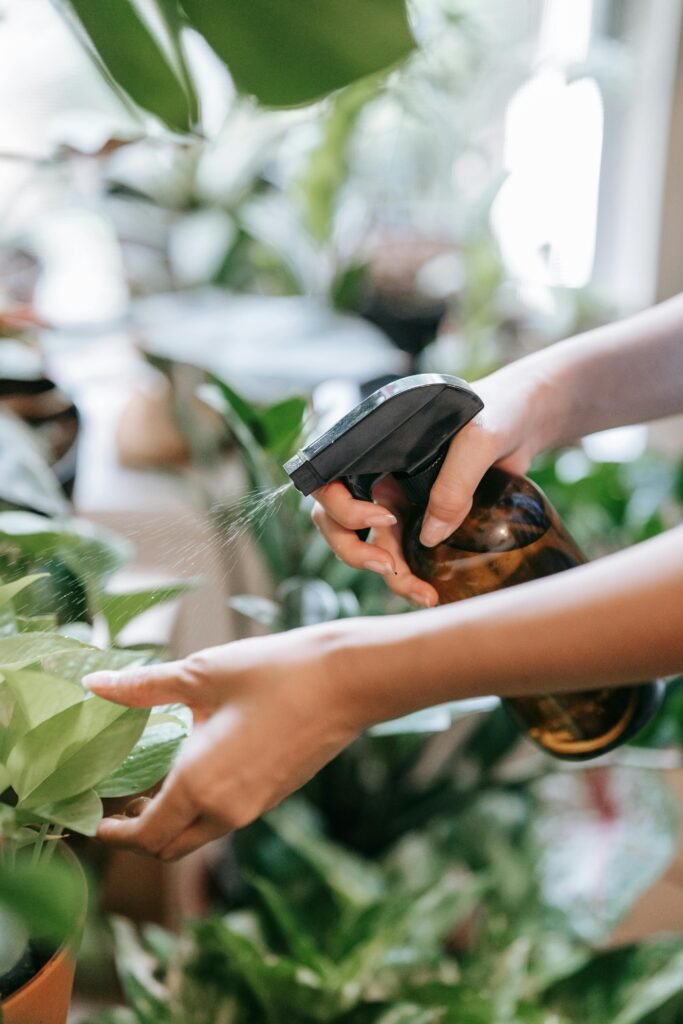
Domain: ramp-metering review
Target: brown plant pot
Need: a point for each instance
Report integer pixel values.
(46, 997)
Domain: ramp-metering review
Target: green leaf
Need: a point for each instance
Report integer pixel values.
(66, 549)
(171, 15)
(49, 898)
(282, 424)
(38, 696)
(152, 756)
(134, 59)
(77, 663)
(354, 881)
(73, 751)
(120, 609)
(625, 986)
(26, 480)
(246, 413)
(30, 648)
(81, 813)
(296, 51)
(294, 932)
(10, 590)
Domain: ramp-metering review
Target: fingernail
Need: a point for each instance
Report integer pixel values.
(383, 568)
(386, 519)
(423, 600)
(99, 679)
(135, 807)
(434, 531)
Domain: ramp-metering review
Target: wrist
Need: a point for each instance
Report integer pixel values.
(381, 668)
(548, 380)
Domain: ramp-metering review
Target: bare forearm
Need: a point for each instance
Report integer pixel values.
(626, 372)
(618, 620)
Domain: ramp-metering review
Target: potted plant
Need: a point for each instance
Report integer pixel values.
(61, 750)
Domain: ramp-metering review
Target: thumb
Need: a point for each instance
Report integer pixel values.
(142, 687)
(470, 454)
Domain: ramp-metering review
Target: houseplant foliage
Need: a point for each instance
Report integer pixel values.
(425, 935)
(284, 54)
(61, 750)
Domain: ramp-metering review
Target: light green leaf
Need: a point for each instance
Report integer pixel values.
(81, 813)
(77, 663)
(30, 648)
(153, 754)
(38, 696)
(295, 51)
(73, 751)
(135, 60)
(120, 609)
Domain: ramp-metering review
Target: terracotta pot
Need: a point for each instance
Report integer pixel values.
(46, 997)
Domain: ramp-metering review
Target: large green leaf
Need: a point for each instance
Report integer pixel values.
(135, 60)
(120, 609)
(75, 664)
(81, 813)
(73, 751)
(295, 51)
(153, 754)
(38, 696)
(30, 648)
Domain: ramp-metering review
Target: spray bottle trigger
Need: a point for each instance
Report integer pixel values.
(360, 487)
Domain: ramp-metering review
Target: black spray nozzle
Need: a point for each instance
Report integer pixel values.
(404, 429)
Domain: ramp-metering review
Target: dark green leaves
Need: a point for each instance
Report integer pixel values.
(294, 51)
(134, 59)
(285, 54)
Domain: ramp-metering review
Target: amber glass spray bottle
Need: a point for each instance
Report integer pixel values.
(511, 535)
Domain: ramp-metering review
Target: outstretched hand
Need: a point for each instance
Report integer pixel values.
(268, 715)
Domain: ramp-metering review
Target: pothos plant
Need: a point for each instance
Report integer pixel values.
(61, 748)
(61, 751)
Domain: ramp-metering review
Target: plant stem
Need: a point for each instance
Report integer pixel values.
(39, 844)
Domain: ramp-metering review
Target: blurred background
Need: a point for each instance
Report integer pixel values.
(178, 309)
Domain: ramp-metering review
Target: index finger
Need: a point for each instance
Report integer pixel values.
(350, 512)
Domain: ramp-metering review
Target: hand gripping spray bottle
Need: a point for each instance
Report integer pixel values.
(511, 535)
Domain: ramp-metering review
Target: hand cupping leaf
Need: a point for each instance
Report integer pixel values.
(61, 748)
